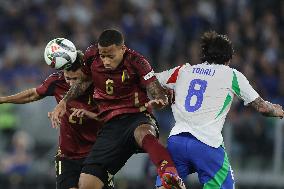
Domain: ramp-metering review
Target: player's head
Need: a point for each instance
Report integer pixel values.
(73, 73)
(111, 48)
(215, 48)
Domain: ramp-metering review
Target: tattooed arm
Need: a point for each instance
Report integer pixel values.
(23, 97)
(159, 95)
(267, 108)
(76, 90)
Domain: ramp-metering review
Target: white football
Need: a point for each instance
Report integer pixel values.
(60, 53)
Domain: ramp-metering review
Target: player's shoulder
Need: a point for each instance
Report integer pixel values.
(56, 76)
(171, 75)
(134, 57)
(236, 72)
(90, 53)
(132, 53)
(183, 68)
(91, 50)
(238, 76)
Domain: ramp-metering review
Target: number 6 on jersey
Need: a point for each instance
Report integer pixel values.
(193, 90)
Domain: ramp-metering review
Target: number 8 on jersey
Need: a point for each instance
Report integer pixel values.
(193, 90)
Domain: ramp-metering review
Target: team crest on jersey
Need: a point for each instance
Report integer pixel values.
(125, 76)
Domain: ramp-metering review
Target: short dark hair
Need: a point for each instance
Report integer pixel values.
(216, 48)
(110, 37)
(78, 62)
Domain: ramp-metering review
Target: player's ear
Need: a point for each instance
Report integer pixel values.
(123, 48)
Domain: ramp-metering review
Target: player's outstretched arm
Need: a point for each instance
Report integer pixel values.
(266, 108)
(23, 97)
(78, 88)
(159, 95)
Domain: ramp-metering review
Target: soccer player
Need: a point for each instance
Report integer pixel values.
(203, 96)
(77, 135)
(121, 78)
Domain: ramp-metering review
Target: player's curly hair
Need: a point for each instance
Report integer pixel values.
(78, 62)
(216, 48)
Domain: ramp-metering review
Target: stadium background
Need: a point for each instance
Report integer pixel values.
(167, 33)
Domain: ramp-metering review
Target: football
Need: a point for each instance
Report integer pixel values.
(60, 53)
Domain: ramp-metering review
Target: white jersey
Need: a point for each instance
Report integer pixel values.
(203, 96)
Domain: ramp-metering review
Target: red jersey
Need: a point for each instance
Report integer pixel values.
(122, 90)
(77, 135)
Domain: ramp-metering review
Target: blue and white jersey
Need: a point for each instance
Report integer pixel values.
(203, 96)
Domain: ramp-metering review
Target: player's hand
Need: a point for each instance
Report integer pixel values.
(279, 110)
(156, 104)
(83, 112)
(50, 116)
(171, 95)
(57, 113)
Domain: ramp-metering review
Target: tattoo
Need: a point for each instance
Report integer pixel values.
(23, 97)
(264, 107)
(33, 96)
(77, 89)
(157, 91)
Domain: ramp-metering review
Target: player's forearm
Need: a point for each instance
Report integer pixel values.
(23, 97)
(264, 107)
(91, 115)
(157, 91)
(77, 90)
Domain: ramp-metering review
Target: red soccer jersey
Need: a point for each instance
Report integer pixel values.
(122, 90)
(77, 135)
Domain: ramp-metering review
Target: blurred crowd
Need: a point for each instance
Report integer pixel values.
(167, 32)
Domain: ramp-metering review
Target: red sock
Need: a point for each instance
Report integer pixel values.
(158, 153)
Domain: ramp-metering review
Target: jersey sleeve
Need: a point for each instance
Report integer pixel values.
(88, 59)
(47, 87)
(144, 70)
(168, 78)
(242, 88)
